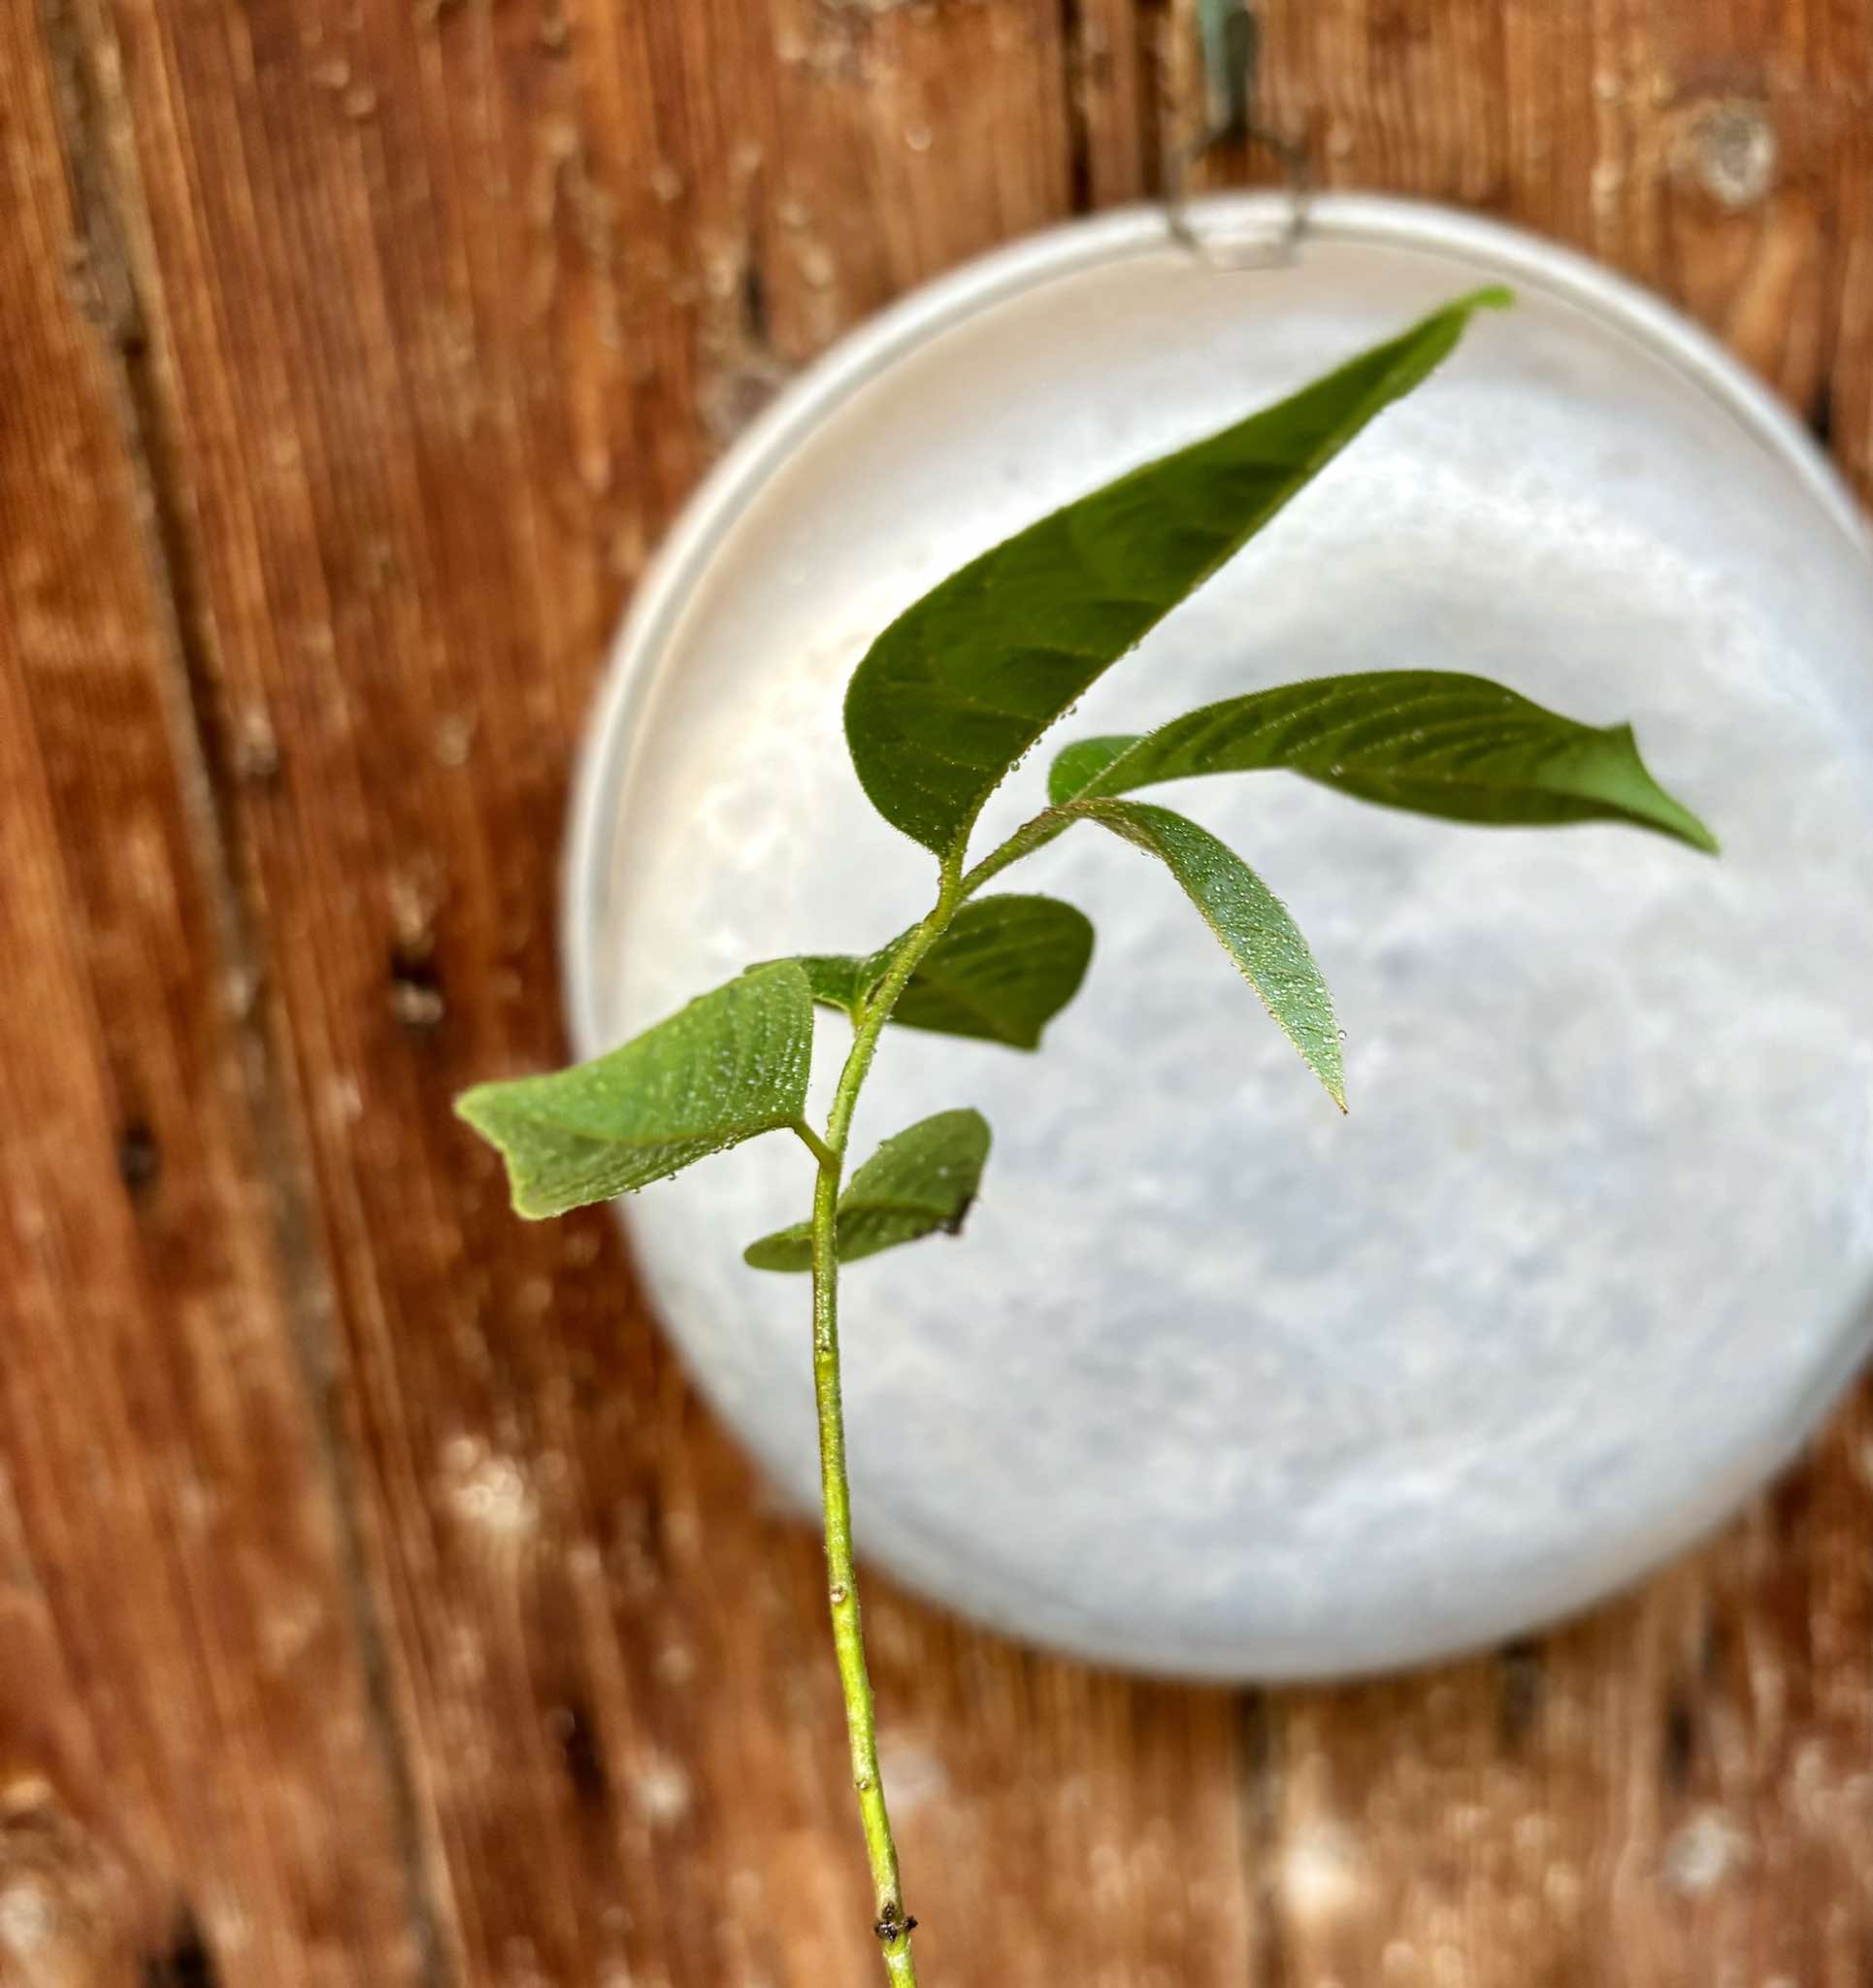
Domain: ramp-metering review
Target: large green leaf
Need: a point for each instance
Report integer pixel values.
(952, 694)
(1250, 920)
(922, 1180)
(1430, 741)
(729, 1066)
(1006, 967)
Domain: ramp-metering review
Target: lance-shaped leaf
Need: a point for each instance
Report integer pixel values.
(1434, 742)
(1006, 966)
(729, 1066)
(1250, 920)
(921, 1181)
(952, 694)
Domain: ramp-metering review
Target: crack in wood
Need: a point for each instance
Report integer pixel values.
(1079, 133)
(1678, 1741)
(578, 1748)
(186, 1962)
(1262, 1839)
(1521, 1670)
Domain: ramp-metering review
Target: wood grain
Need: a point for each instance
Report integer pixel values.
(190, 1756)
(417, 321)
(399, 266)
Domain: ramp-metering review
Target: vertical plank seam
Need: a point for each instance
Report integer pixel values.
(1076, 81)
(102, 205)
(1257, 1723)
(1150, 26)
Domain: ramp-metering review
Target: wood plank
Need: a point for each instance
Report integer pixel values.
(1117, 93)
(185, 1709)
(449, 304)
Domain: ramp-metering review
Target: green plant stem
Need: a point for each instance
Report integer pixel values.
(893, 1922)
(1031, 834)
(815, 1145)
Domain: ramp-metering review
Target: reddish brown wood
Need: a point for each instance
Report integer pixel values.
(414, 323)
(190, 1758)
(449, 308)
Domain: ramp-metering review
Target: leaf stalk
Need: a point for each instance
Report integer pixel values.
(815, 1145)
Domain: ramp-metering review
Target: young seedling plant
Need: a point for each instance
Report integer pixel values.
(940, 710)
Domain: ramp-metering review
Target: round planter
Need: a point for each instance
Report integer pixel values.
(1217, 1382)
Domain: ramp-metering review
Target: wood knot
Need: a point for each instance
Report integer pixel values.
(140, 1159)
(1732, 147)
(184, 1961)
(416, 985)
(71, 1914)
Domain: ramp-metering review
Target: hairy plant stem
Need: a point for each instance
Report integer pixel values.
(893, 1923)
(815, 1145)
(1031, 834)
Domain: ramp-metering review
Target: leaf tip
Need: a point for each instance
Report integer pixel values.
(1665, 811)
(483, 1108)
(1491, 297)
(471, 1106)
(978, 1126)
(527, 1207)
(1332, 1081)
(1692, 829)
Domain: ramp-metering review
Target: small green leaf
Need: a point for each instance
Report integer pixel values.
(1250, 920)
(953, 693)
(1004, 970)
(1430, 741)
(920, 1180)
(729, 1066)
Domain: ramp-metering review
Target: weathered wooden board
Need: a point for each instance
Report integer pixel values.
(382, 1593)
(193, 1756)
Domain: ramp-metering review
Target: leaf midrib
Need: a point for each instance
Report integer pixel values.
(564, 1126)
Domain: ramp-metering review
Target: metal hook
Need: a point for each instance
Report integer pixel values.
(1231, 40)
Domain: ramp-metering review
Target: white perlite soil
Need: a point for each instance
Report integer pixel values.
(1218, 1381)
